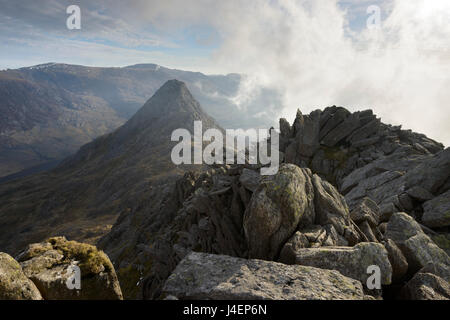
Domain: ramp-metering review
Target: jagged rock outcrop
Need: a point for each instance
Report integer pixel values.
(291, 200)
(365, 158)
(380, 169)
(206, 276)
(233, 211)
(216, 214)
(14, 284)
(50, 266)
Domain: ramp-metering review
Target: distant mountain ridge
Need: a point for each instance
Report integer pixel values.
(84, 195)
(50, 110)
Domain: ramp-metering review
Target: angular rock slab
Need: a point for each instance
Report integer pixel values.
(352, 262)
(217, 277)
(436, 212)
(14, 285)
(417, 247)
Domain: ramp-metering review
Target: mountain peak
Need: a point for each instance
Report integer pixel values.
(171, 103)
(173, 86)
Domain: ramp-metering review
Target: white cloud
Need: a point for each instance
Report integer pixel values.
(300, 48)
(306, 50)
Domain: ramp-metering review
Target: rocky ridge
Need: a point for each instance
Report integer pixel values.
(376, 173)
(351, 193)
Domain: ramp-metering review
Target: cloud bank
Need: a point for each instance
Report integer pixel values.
(314, 53)
(304, 51)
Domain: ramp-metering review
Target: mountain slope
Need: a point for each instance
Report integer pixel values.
(50, 110)
(41, 124)
(83, 196)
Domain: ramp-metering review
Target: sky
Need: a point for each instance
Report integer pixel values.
(315, 53)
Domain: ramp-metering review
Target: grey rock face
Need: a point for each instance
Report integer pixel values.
(402, 227)
(306, 131)
(276, 208)
(417, 247)
(420, 193)
(14, 285)
(352, 262)
(292, 200)
(218, 277)
(342, 130)
(432, 174)
(437, 211)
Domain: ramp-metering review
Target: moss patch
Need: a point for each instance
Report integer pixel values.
(91, 260)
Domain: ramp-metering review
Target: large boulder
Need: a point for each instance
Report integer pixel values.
(436, 212)
(279, 205)
(219, 277)
(53, 263)
(331, 208)
(352, 262)
(14, 285)
(417, 247)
